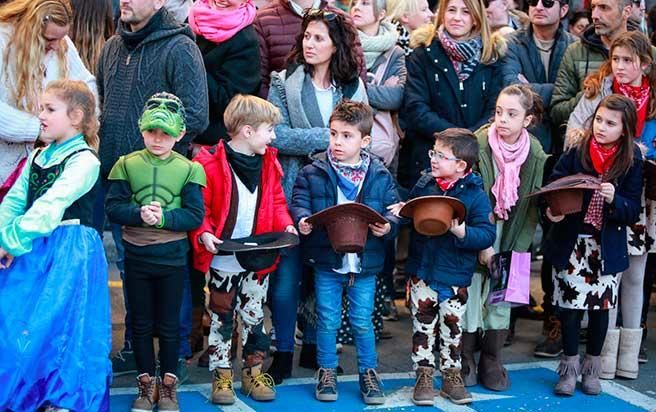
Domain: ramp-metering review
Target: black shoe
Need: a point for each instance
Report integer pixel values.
(326, 389)
(385, 334)
(123, 363)
(308, 358)
(552, 346)
(371, 388)
(281, 368)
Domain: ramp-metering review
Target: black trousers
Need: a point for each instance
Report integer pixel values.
(570, 320)
(155, 295)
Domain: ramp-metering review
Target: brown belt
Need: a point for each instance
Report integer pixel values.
(145, 236)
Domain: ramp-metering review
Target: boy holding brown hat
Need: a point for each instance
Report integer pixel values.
(341, 176)
(442, 256)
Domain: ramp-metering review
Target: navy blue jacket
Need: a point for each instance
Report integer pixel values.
(447, 260)
(435, 100)
(624, 211)
(315, 189)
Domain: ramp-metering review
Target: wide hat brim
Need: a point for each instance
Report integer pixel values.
(358, 210)
(579, 181)
(264, 241)
(432, 215)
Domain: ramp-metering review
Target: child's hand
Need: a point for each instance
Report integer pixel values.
(395, 209)
(608, 192)
(5, 259)
(380, 229)
(553, 218)
(458, 229)
(574, 138)
(147, 216)
(304, 227)
(291, 229)
(210, 242)
(485, 256)
(156, 209)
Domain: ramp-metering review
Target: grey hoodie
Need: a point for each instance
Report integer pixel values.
(166, 60)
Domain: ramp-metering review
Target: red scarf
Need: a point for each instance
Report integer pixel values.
(448, 184)
(602, 158)
(640, 97)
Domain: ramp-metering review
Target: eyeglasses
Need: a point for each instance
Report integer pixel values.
(437, 156)
(319, 14)
(546, 3)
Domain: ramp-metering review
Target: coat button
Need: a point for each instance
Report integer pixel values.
(435, 61)
(446, 70)
(427, 49)
(463, 105)
(619, 229)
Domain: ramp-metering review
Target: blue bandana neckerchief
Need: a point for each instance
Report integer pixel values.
(349, 177)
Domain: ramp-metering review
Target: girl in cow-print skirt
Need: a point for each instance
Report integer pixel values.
(589, 248)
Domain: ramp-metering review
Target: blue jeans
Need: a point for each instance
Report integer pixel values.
(329, 287)
(284, 290)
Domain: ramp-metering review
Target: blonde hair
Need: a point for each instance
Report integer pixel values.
(29, 19)
(494, 45)
(77, 96)
(246, 110)
(398, 8)
(92, 25)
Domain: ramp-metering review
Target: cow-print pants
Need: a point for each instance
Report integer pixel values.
(234, 294)
(431, 318)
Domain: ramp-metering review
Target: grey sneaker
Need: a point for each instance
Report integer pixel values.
(326, 389)
(371, 388)
(168, 397)
(148, 393)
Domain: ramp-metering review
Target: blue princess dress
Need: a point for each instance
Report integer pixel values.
(55, 328)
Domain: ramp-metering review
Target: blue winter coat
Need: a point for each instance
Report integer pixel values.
(624, 211)
(435, 100)
(447, 260)
(316, 189)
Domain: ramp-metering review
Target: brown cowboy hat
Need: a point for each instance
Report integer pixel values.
(650, 179)
(565, 195)
(432, 215)
(347, 225)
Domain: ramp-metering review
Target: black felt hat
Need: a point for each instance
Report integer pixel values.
(258, 252)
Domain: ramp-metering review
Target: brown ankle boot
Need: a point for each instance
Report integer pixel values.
(168, 396)
(453, 387)
(491, 373)
(256, 384)
(222, 391)
(148, 394)
(424, 394)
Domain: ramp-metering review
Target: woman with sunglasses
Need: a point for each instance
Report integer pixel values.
(452, 80)
(323, 70)
(35, 50)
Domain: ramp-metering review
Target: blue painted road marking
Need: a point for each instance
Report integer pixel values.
(531, 390)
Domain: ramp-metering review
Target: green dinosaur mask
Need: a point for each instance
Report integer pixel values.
(163, 111)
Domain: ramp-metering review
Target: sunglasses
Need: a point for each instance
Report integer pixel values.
(546, 3)
(326, 15)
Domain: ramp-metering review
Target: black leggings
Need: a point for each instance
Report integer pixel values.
(155, 295)
(570, 320)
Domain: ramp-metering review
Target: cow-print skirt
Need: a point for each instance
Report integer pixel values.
(581, 285)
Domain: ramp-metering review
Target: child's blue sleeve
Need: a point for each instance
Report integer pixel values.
(480, 231)
(301, 206)
(391, 197)
(625, 208)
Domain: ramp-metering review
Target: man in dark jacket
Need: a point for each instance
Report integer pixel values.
(534, 55)
(150, 53)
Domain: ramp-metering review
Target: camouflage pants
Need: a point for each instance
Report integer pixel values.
(430, 319)
(233, 294)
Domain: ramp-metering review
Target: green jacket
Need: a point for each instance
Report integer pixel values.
(518, 231)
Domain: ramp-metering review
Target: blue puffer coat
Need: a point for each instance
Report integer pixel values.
(447, 260)
(316, 189)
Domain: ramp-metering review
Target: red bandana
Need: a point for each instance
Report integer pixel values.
(640, 97)
(448, 184)
(602, 158)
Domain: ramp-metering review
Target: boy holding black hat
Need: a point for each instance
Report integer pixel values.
(442, 266)
(155, 194)
(345, 174)
(243, 197)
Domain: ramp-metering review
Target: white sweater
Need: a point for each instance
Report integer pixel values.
(19, 129)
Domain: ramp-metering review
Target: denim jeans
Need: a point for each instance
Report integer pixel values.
(284, 293)
(329, 287)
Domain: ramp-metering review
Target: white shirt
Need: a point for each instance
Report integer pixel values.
(325, 101)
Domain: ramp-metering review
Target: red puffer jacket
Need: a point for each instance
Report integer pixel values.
(277, 27)
(272, 213)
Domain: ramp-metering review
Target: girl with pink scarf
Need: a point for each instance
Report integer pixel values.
(511, 163)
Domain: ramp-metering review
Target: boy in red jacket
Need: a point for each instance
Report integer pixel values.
(243, 197)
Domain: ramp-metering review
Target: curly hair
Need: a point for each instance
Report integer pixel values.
(637, 44)
(26, 49)
(77, 96)
(92, 26)
(345, 62)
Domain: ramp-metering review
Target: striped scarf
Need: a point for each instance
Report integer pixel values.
(465, 55)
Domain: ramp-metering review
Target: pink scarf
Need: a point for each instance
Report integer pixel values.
(218, 26)
(509, 160)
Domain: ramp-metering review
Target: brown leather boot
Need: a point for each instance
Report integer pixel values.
(453, 387)
(256, 384)
(148, 394)
(491, 373)
(424, 394)
(168, 396)
(196, 338)
(222, 391)
(467, 356)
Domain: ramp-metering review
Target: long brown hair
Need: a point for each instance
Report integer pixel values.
(28, 46)
(77, 96)
(92, 25)
(530, 101)
(624, 156)
(345, 63)
(638, 44)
